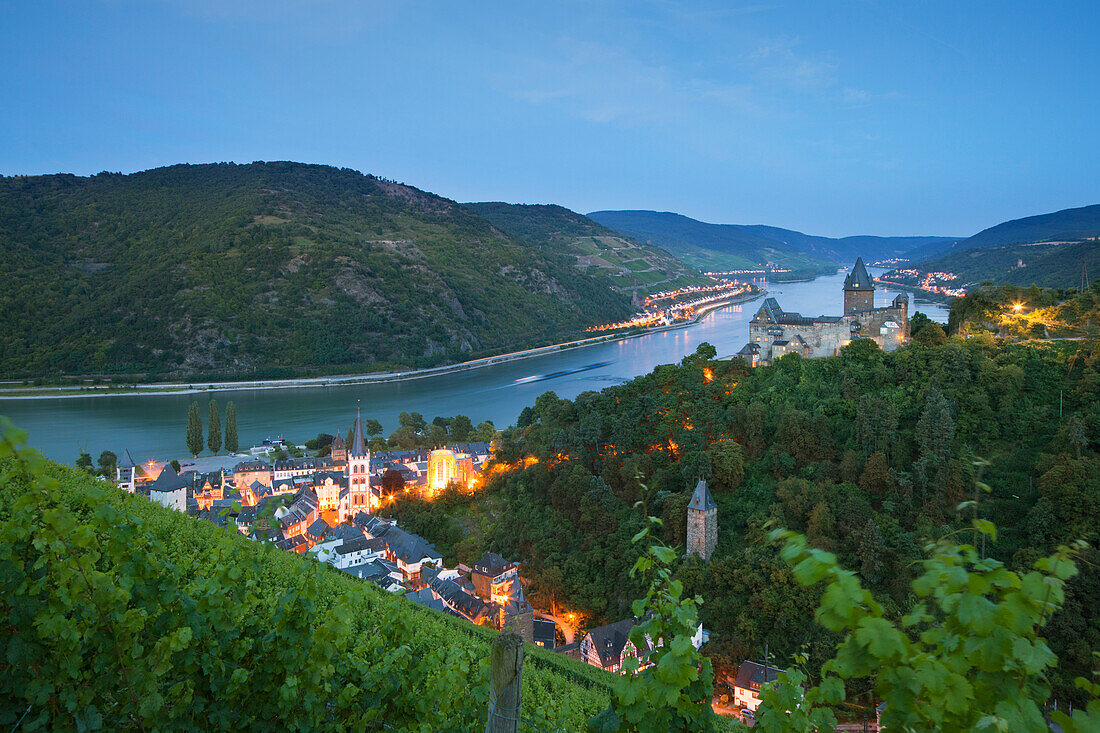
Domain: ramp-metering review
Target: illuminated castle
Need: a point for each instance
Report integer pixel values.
(774, 332)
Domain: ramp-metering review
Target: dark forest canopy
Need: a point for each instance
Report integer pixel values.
(267, 269)
(870, 454)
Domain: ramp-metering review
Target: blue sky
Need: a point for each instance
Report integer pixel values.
(828, 117)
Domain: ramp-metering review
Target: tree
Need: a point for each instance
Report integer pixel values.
(971, 643)
(231, 427)
(487, 432)
(727, 462)
(931, 334)
(214, 436)
(84, 462)
(194, 430)
(107, 463)
(372, 427)
(462, 429)
(876, 479)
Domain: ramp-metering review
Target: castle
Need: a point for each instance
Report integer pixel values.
(774, 332)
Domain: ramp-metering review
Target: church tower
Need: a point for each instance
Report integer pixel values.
(339, 450)
(702, 523)
(359, 494)
(859, 289)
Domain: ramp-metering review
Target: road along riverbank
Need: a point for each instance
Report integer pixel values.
(182, 388)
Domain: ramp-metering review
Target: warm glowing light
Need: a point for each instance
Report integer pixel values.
(708, 375)
(1017, 306)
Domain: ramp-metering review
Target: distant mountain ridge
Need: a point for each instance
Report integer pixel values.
(268, 269)
(709, 246)
(1048, 250)
(631, 265)
(1065, 225)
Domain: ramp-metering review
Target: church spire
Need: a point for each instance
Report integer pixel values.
(358, 446)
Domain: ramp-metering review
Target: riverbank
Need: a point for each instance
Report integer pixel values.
(182, 388)
(930, 296)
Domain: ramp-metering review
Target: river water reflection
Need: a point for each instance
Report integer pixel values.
(153, 426)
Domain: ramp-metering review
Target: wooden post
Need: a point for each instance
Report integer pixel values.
(505, 675)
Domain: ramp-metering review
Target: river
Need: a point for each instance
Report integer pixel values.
(152, 426)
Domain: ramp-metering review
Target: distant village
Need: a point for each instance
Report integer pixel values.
(327, 507)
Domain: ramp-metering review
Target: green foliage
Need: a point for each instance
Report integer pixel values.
(268, 270)
(231, 427)
(414, 432)
(1026, 313)
(194, 430)
(122, 615)
(214, 432)
(868, 454)
(107, 462)
(967, 656)
(673, 692)
(727, 464)
(84, 462)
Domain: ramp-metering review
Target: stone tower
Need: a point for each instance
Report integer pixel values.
(859, 289)
(359, 494)
(339, 450)
(702, 523)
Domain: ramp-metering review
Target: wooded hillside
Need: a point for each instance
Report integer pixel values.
(267, 269)
(870, 454)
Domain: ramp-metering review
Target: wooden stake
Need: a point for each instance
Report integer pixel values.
(506, 678)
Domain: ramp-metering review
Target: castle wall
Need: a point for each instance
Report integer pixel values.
(825, 338)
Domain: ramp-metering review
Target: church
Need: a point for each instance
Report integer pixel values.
(774, 332)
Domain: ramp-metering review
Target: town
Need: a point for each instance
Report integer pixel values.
(685, 304)
(928, 282)
(327, 507)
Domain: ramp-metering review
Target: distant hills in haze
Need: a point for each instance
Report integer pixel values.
(1048, 250)
(738, 246)
(1067, 225)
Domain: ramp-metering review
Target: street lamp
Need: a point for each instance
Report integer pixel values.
(1017, 307)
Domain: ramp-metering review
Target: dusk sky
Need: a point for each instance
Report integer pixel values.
(830, 118)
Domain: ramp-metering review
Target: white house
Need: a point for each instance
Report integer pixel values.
(750, 678)
(169, 490)
(357, 552)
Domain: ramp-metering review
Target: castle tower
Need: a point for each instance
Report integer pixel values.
(702, 523)
(358, 471)
(901, 305)
(859, 289)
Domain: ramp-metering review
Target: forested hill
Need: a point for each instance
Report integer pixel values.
(267, 269)
(630, 264)
(868, 453)
(1047, 250)
(1064, 225)
(1045, 265)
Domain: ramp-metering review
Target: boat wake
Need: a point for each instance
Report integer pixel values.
(562, 373)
